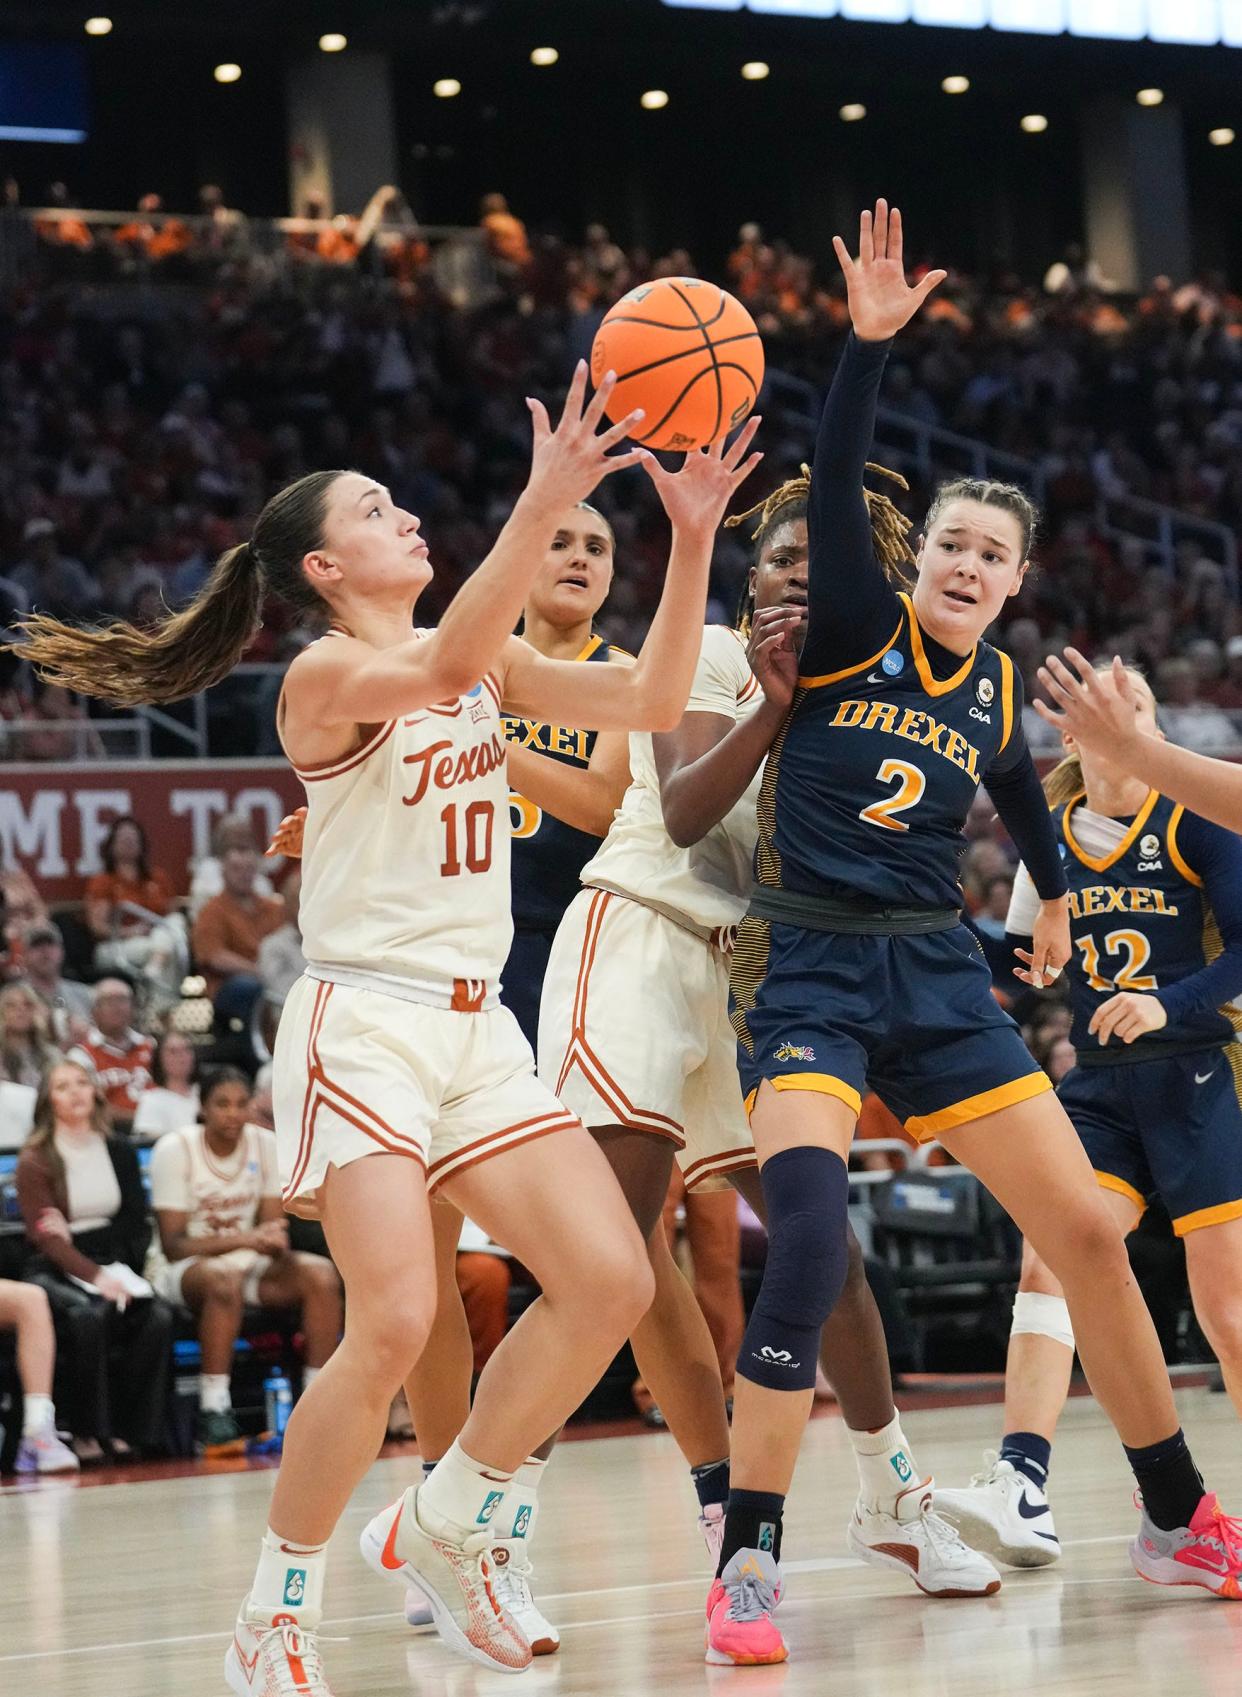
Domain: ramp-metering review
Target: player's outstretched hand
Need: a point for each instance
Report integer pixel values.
(1127, 1015)
(568, 462)
(1050, 945)
(288, 838)
(696, 496)
(880, 299)
(1098, 709)
(773, 653)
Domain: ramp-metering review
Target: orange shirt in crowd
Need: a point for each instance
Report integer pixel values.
(227, 923)
(122, 1066)
(112, 888)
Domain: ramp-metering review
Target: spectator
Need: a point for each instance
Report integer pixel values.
(129, 911)
(56, 727)
(52, 582)
(24, 1308)
(216, 1195)
(281, 961)
(231, 831)
(505, 235)
(117, 1055)
(1185, 717)
(230, 927)
(1061, 1058)
(68, 1002)
(26, 1048)
(21, 907)
(171, 1101)
(85, 1212)
(1227, 692)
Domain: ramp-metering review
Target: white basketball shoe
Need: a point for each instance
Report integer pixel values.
(917, 1542)
(1004, 1513)
(274, 1657)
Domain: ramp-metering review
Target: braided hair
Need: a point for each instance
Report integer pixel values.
(889, 528)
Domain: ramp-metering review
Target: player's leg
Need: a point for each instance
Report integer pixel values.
(375, 1217)
(714, 1239)
(1213, 1259)
(311, 1283)
(25, 1309)
(1071, 1227)
(214, 1291)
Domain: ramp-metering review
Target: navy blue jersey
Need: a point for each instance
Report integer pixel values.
(868, 787)
(1143, 919)
(547, 854)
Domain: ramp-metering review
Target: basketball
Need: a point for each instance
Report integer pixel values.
(685, 351)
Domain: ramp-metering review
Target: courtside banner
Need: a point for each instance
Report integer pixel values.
(54, 817)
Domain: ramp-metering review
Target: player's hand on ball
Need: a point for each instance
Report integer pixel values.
(1127, 1015)
(568, 462)
(773, 654)
(696, 496)
(288, 838)
(880, 299)
(1050, 945)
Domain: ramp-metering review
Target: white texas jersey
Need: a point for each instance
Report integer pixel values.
(220, 1193)
(706, 886)
(405, 856)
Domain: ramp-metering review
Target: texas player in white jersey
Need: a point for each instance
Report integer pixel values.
(401, 1059)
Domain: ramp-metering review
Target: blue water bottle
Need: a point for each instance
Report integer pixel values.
(278, 1402)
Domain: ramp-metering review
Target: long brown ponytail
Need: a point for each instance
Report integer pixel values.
(197, 647)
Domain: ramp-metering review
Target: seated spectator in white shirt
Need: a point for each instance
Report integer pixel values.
(216, 1195)
(171, 1101)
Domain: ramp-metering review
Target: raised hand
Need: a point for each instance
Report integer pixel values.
(568, 462)
(1098, 709)
(696, 496)
(288, 838)
(773, 654)
(880, 299)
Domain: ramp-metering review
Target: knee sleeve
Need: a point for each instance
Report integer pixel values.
(806, 1192)
(1042, 1316)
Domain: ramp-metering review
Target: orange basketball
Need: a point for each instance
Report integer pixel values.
(685, 351)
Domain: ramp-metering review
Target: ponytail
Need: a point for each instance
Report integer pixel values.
(1065, 781)
(196, 648)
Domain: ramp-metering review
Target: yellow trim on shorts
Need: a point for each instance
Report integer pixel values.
(1201, 1217)
(823, 1083)
(850, 671)
(1110, 1181)
(924, 1126)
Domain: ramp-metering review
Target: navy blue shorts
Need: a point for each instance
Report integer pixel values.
(1167, 1128)
(521, 982)
(913, 1017)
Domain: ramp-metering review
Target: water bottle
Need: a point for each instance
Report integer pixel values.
(278, 1401)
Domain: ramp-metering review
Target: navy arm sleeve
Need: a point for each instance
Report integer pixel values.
(1216, 856)
(854, 611)
(1018, 796)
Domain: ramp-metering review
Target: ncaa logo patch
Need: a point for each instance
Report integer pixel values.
(986, 691)
(893, 663)
(1149, 846)
(295, 1585)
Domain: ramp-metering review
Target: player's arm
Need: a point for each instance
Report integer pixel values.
(585, 797)
(1099, 710)
(1013, 785)
(707, 764)
(1215, 856)
(651, 694)
(854, 611)
(348, 683)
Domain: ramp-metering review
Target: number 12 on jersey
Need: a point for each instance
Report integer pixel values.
(910, 786)
(471, 828)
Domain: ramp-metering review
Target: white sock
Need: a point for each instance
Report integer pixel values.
(521, 1506)
(461, 1498)
(309, 1375)
(213, 1393)
(885, 1465)
(39, 1415)
(288, 1580)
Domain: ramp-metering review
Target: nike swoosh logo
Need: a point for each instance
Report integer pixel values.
(1205, 1077)
(1029, 1510)
(388, 1556)
(873, 679)
(250, 1663)
(291, 1551)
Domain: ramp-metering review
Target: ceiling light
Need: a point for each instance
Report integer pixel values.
(445, 88)
(333, 42)
(1150, 96)
(1221, 137)
(754, 70)
(955, 85)
(853, 112)
(544, 56)
(227, 73)
(1034, 123)
(98, 26)
(654, 99)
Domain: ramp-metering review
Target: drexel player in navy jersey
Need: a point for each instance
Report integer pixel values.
(1156, 920)
(852, 967)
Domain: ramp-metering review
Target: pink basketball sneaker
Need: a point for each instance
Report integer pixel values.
(1208, 1552)
(740, 1628)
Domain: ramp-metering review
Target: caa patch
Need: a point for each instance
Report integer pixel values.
(986, 691)
(893, 663)
(1149, 846)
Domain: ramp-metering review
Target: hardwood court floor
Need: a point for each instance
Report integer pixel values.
(129, 1590)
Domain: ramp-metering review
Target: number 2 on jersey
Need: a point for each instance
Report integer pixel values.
(911, 784)
(1131, 977)
(478, 820)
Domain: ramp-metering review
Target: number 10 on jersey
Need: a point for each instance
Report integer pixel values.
(468, 837)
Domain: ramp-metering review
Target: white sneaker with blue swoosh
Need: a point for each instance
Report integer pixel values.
(1004, 1513)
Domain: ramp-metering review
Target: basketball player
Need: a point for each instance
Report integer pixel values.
(1156, 921)
(852, 967)
(392, 1047)
(1098, 710)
